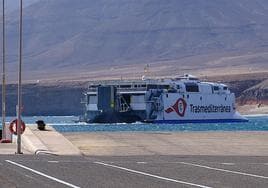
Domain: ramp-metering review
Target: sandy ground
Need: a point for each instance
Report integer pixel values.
(171, 143)
(253, 109)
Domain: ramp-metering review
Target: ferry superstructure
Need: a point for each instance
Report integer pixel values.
(180, 100)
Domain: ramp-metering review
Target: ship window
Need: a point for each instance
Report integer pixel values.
(163, 86)
(225, 88)
(191, 87)
(93, 86)
(193, 78)
(152, 87)
(137, 94)
(88, 98)
(216, 88)
(125, 86)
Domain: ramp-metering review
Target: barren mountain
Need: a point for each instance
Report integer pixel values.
(67, 39)
(257, 94)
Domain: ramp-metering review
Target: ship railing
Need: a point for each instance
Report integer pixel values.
(122, 84)
(93, 89)
(124, 107)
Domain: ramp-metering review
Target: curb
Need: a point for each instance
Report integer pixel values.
(44, 152)
(31, 142)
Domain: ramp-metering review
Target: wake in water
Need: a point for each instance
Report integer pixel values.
(257, 115)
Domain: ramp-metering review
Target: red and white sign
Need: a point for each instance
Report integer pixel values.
(179, 107)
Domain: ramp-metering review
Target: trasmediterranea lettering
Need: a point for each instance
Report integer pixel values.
(210, 109)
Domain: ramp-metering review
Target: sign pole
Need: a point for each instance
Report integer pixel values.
(3, 78)
(19, 86)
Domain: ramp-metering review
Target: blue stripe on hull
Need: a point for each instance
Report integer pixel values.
(200, 121)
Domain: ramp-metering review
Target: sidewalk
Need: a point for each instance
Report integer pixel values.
(6, 149)
(10, 149)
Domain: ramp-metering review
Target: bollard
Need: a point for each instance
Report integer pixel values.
(41, 125)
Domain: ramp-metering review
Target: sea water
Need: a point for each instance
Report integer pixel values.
(69, 124)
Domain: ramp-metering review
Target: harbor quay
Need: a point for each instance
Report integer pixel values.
(126, 143)
(136, 159)
(171, 143)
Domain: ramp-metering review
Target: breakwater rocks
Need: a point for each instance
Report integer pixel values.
(62, 98)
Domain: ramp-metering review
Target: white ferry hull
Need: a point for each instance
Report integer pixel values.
(184, 100)
(197, 108)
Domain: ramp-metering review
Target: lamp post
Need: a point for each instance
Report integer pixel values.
(19, 105)
(3, 76)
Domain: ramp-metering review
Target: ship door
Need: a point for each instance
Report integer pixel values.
(106, 98)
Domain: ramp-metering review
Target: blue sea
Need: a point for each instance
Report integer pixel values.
(68, 124)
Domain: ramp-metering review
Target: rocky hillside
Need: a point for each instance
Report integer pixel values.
(257, 94)
(67, 39)
(103, 39)
(249, 89)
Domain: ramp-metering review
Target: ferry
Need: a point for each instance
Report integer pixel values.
(183, 99)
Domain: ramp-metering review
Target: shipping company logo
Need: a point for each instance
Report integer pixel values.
(179, 107)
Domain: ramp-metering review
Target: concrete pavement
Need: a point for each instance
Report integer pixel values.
(141, 143)
(137, 159)
(11, 148)
(133, 171)
(171, 143)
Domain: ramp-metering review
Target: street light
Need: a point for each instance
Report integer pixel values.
(19, 105)
(3, 77)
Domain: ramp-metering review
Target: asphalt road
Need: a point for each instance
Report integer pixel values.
(135, 171)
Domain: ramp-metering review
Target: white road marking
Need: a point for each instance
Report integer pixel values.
(152, 175)
(228, 163)
(224, 170)
(42, 174)
(53, 161)
(141, 162)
